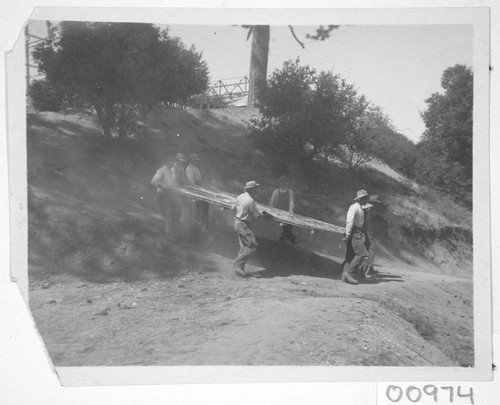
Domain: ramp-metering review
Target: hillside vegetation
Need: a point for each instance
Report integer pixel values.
(67, 154)
(94, 223)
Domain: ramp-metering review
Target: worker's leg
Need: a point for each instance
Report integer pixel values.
(201, 214)
(196, 212)
(349, 253)
(165, 212)
(287, 233)
(204, 207)
(248, 244)
(370, 260)
(360, 253)
(175, 216)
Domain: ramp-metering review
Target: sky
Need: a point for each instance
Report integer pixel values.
(396, 67)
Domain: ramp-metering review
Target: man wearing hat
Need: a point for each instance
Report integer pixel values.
(244, 211)
(283, 199)
(177, 170)
(355, 234)
(193, 177)
(167, 199)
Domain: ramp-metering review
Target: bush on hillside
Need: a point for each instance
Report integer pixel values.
(305, 114)
(434, 169)
(44, 96)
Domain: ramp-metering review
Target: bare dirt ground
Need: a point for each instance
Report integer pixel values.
(107, 289)
(213, 317)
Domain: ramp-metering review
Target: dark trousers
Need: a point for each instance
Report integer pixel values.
(171, 212)
(248, 243)
(201, 212)
(287, 233)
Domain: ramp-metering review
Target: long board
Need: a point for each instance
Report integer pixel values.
(227, 200)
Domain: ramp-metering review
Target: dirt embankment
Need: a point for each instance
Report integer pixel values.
(96, 248)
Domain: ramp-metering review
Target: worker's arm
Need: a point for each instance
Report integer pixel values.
(157, 179)
(292, 201)
(253, 210)
(274, 199)
(351, 214)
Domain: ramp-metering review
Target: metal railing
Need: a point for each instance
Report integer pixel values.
(229, 88)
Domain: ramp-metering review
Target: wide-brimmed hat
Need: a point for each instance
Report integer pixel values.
(194, 156)
(361, 194)
(251, 184)
(366, 206)
(180, 157)
(283, 179)
(374, 198)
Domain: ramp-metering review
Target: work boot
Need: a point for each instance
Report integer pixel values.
(347, 278)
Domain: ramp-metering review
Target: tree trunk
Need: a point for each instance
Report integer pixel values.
(258, 62)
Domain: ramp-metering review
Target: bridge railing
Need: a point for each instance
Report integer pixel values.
(229, 88)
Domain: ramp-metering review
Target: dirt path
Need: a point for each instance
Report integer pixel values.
(215, 318)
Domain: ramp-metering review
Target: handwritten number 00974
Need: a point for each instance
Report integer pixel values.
(414, 394)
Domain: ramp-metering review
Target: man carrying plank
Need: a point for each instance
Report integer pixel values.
(167, 200)
(244, 211)
(355, 234)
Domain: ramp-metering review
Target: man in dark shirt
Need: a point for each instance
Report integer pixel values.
(283, 199)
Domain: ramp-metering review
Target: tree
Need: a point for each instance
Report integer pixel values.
(388, 145)
(258, 61)
(260, 50)
(446, 146)
(120, 69)
(44, 96)
(304, 113)
(359, 142)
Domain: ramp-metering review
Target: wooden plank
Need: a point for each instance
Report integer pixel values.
(227, 200)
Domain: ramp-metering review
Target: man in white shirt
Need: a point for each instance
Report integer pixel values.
(355, 234)
(169, 206)
(194, 178)
(245, 210)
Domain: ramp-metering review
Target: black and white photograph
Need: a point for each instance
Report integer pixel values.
(255, 194)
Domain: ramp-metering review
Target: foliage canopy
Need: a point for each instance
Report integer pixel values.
(120, 69)
(445, 151)
(305, 114)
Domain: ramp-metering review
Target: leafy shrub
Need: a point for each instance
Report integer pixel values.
(44, 96)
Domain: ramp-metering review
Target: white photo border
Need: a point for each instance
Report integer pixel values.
(81, 376)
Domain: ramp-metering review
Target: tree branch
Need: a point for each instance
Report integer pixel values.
(295, 36)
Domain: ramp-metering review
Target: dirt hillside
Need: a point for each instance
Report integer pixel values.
(97, 256)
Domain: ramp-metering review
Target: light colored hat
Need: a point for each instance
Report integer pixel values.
(361, 194)
(251, 184)
(374, 198)
(180, 157)
(366, 206)
(194, 156)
